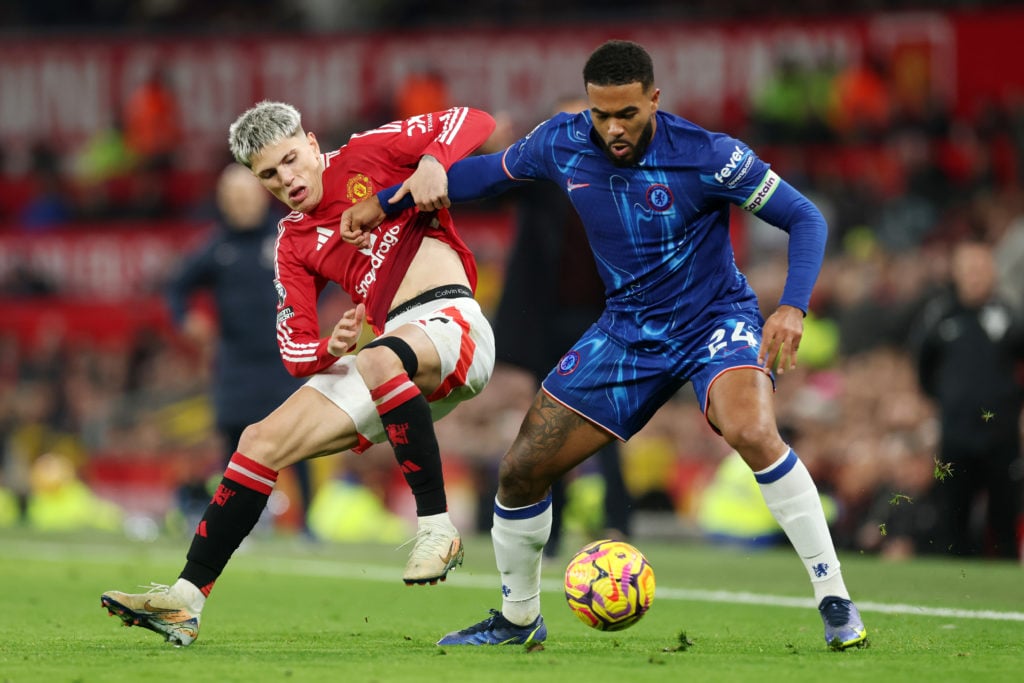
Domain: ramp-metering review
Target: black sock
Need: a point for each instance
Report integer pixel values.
(410, 429)
(230, 516)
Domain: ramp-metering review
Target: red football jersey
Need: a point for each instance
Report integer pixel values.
(311, 253)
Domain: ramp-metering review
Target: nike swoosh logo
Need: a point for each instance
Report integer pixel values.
(529, 638)
(570, 185)
(159, 610)
(451, 552)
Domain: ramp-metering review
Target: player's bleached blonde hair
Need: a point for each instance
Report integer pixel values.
(264, 124)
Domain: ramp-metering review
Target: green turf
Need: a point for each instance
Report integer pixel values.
(292, 611)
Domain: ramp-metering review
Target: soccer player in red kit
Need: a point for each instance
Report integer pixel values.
(413, 282)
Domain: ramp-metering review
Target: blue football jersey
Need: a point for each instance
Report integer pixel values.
(659, 230)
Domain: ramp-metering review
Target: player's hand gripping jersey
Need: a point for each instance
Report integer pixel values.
(310, 252)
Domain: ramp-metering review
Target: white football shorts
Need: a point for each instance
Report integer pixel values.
(464, 341)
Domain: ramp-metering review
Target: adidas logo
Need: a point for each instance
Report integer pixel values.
(323, 234)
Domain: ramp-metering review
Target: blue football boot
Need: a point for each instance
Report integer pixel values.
(497, 630)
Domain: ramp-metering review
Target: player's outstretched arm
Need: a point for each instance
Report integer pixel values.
(428, 186)
(469, 179)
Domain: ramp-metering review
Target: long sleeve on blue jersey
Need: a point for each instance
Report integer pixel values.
(471, 178)
(791, 211)
(478, 177)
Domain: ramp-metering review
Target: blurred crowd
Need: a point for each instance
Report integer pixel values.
(901, 178)
(323, 15)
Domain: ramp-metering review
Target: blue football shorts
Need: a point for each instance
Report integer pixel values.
(619, 386)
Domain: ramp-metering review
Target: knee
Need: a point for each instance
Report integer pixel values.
(377, 364)
(259, 443)
(758, 443)
(518, 485)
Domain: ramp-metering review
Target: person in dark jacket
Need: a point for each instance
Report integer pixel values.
(968, 361)
(236, 267)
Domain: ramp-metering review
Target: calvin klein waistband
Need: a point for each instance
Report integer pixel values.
(442, 292)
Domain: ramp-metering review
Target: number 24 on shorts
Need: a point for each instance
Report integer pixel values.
(739, 335)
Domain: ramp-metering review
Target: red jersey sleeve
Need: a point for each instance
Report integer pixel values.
(298, 328)
(447, 135)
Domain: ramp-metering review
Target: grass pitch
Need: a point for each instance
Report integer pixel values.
(287, 610)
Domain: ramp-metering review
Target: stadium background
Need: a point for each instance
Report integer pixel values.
(103, 407)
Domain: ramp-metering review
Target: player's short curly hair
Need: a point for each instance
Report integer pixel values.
(264, 124)
(619, 62)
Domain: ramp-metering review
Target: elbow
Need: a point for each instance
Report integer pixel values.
(486, 121)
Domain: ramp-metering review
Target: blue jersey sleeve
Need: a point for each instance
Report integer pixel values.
(729, 169)
(524, 159)
(732, 171)
(487, 175)
(468, 179)
(778, 203)
(478, 177)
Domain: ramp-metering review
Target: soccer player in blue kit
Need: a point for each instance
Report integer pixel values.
(653, 191)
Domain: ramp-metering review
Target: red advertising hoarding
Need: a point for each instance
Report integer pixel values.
(66, 89)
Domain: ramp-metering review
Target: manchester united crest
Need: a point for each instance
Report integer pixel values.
(359, 188)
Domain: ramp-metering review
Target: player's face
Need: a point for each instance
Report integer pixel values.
(292, 171)
(623, 117)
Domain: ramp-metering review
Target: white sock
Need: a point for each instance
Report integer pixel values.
(793, 499)
(519, 535)
(440, 519)
(190, 593)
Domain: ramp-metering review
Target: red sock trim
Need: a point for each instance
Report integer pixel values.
(205, 590)
(394, 393)
(250, 474)
(388, 386)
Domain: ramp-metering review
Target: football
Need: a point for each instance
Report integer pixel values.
(609, 585)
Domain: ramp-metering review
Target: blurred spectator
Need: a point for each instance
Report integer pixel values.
(49, 207)
(100, 162)
(791, 107)
(965, 160)
(905, 513)
(34, 418)
(967, 362)
(153, 135)
(236, 266)
(22, 280)
(860, 105)
(60, 501)
(552, 293)
(152, 122)
(732, 509)
(1010, 263)
(423, 89)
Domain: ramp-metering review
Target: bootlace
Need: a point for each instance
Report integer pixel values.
(837, 612)
(428, 540)
(484, 625)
